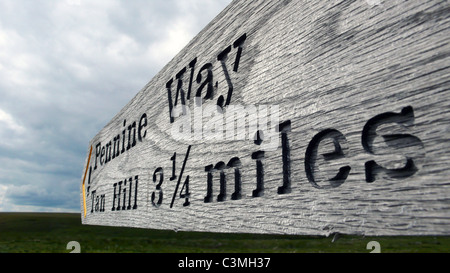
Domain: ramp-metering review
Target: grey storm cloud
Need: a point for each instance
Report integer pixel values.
(66, 68)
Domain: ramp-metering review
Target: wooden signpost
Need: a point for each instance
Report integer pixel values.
(288, 117)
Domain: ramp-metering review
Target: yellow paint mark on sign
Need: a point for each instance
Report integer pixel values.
(84, 179)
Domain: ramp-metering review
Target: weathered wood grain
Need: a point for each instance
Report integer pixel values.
(367, 150)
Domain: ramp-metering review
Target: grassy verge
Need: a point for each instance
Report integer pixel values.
(50, 233)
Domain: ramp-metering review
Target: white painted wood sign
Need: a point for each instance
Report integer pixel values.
(288, 117)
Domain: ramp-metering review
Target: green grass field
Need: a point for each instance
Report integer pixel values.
(50, 233)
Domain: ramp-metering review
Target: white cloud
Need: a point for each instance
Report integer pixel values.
(17, 63)
(177, 36)
(8, 121)
(3, 190)
(193, 15)
(66, 68)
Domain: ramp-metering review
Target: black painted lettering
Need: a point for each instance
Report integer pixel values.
(236, 164)
(191, 78)
(223, 182)
(259, 156)
(311, 158)
(173, 158)
(169, 93)
(205, 79)
(116, 146)
(123, 136)
(284, 128)
(118, 195)
(114, 197)
(136, 180)
(131, 127)
(129, 193)
(124, 194)
(259, 191)
(97, 203)
(108, 152)
(220, 167)
(98, 149)
(238, 44)
(410, 146)
(101, 156)
(209, 190)
(102, 203)
(180, 91)
(93, 196)
(208, 82)
(89, 179)
(186, 193)
(159, 190)
(142, 124)
(222, 57)
(111, 150)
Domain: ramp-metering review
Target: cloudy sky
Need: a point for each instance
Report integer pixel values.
(66, 68)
